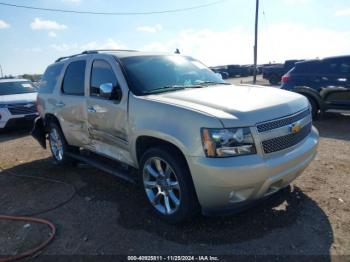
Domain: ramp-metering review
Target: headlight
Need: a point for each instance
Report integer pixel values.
(227, 142)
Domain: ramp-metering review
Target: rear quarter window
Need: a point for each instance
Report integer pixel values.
(50, 78)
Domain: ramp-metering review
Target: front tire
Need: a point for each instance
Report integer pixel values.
(167, 185)
(58, 145)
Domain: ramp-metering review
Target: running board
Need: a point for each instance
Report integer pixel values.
(118, 172)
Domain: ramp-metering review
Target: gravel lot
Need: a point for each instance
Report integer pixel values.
(109, 216)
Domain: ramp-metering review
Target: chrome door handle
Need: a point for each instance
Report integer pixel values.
(91, 109)
(60, 104)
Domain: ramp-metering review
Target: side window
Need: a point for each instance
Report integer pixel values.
(101, 73)
(337, 67)
(50, 78)
(73, 82)
(344, 68)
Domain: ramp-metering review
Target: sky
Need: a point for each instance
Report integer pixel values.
(217, 34)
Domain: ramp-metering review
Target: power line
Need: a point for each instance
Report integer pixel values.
(112, 13)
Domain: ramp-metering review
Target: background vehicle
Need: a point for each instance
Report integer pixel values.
(222, 70)
(17, 102)
(274, 73)
(196, 142)
(237, 70)
(326, 83)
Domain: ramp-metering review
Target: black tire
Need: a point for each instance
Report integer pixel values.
(314, 107)
(64, 159)
(274, 80)
(189, 205)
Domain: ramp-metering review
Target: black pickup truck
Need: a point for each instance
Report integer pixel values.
(274, 72)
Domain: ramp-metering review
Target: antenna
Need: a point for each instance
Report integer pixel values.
(256, 40)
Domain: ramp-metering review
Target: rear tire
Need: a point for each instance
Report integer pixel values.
(274, 80)
(59, 146)
(167, 184)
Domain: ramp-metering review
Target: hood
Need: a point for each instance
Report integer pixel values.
(18, 98)
(237, 104)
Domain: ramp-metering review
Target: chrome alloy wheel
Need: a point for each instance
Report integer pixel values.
(56, 144)
(161, 185)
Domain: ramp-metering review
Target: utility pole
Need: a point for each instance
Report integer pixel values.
(2, 75)
(256, 40)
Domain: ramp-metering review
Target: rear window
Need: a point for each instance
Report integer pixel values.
(74, 79)
(16, 87)
(50, 78)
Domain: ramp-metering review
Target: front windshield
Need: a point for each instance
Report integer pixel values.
(147, 74)
(16, 87)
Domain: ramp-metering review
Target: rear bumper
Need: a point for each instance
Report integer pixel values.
(228, 184)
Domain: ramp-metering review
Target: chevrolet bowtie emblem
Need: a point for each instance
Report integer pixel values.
(295, 128)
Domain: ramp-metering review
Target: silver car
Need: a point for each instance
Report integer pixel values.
(194, 142)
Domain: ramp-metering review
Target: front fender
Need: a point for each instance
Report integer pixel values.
(308, 91)
(175, 124)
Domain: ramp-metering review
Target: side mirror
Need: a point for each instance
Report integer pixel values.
(109, 91)
(106, 90)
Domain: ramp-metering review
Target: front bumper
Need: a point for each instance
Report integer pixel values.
(7, 120)
(231, 183)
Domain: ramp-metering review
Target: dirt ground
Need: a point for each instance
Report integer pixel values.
(107, 216)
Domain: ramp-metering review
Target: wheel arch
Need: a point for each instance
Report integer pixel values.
(310, 94)
(145, 142)
(50, 117)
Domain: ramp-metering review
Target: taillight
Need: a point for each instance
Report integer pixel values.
(285, 78)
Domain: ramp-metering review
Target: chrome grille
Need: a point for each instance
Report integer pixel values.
(283, 142)
(22, 109)
(282, 122)
(278, 134)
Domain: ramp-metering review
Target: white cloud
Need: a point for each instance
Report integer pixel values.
(76, 48)
(108, 44)
(150, 29)
(280, 42)
(52, 34)
(64, 47)
(4, 25)
(344, 12)
(41, 24)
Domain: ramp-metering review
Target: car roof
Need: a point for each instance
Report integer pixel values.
(7, 80)
(117, 53)
(336, 57)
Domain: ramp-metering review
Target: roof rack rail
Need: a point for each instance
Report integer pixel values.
(86, 52)
(107, 50)
(66, 57)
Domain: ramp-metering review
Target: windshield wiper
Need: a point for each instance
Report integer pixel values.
(212, 83)
(170, 88)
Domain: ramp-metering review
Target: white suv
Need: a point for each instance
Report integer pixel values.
(17, 102)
